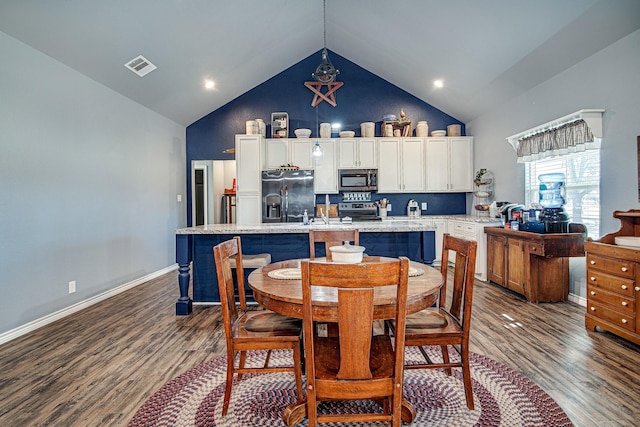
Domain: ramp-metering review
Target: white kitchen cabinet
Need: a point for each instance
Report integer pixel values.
(248, 208)
(472, 230)
(249, 150)
(249, 154)
(401, 167)
(282, 151)
(449, 164)
(325, 176)
(357, 153)
(300, 152)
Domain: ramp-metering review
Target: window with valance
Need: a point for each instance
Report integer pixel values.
(569, 138)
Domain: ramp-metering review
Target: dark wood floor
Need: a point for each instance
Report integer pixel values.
(96, 367)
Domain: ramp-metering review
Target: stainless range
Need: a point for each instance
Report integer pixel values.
(358, 206)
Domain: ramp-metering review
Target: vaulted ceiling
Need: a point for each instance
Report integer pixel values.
(485, 51)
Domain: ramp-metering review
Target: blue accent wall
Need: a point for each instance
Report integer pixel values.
(364, 97)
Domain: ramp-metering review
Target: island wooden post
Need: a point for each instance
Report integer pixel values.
(184, 305)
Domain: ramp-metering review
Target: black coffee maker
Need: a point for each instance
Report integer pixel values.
(552, 199)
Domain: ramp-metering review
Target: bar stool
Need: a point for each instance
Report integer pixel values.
(250, 263)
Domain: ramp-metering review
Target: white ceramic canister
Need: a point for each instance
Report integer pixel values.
(251, 127)
(325, 130)
(422, 129)
(388, 130)
(367, 129)
(262, 127)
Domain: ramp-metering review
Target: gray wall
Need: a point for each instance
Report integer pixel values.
(88, 186)
(610, 80)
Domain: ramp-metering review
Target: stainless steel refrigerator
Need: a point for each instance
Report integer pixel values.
(286, 195)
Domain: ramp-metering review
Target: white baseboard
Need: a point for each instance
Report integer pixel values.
(38, 323)
(577, 299)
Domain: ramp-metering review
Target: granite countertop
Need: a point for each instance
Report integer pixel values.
(388, 225)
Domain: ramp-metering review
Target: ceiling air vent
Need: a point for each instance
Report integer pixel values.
(140, 65)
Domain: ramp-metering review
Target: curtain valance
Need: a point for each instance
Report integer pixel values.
(568, 138)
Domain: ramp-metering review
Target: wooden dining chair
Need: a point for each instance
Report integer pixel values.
(444, 325)
(331, 238)
(251, 330)
(356, 365)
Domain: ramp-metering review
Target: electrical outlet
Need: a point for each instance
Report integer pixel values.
(424, 206)
(179, 198)
(388, 207)
(72, 286)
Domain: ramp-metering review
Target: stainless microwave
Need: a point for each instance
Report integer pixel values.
(358, 179)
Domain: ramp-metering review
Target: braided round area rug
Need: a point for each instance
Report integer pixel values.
(503, 397)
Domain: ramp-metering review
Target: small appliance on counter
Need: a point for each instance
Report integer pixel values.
(413, 209)
(508, 212)
(552, 199)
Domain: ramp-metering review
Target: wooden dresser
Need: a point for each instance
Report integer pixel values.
(613, 281)
(532, 264)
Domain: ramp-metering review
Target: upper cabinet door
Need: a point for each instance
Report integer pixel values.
(437, 164)
(325, 179)
(461, 164)
(389, 178)
(367, 153)
(412, 165)
(300, 152)
(348, 153)
(276, 152)
(249, 163)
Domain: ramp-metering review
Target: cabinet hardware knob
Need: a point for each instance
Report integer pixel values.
(637, 288)
(624, 321)
(593, 293)
(593, 279)
(593, 309)
(624, 287)
(592, 262)
(624, 269)
(624, 303)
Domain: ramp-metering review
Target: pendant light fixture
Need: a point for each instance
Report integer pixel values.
(316, 151)
(325, 72)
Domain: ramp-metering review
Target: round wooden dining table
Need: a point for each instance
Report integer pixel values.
(278, 287)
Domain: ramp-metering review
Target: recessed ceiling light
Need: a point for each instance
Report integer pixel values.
(209, 84)
(438, 83)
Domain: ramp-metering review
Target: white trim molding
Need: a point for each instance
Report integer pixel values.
(50, 318)
(592, 117)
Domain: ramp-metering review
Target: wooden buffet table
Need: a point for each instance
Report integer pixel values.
(532, 264)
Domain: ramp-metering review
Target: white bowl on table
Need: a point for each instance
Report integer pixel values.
(347, 254)
(302, 133)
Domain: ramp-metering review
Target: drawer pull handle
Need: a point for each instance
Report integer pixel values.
(624, 287)
(592, 262)
(637, 288)
(624, 269)
(535, 249)
(624, 303)
(593, 309)
(593, 293)
(624, 321)
(593, 279)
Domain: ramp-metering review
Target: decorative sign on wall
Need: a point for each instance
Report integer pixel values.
(329, 95)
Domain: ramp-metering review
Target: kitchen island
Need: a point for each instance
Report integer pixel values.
(413, 238)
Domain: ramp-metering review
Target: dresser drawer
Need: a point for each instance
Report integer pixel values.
(617, 302)
(618, 267)
(606, 313)
(609, 282)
